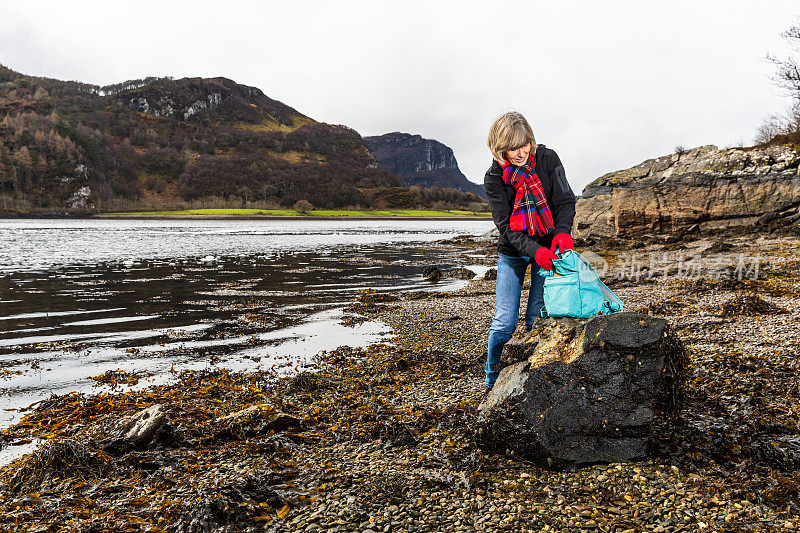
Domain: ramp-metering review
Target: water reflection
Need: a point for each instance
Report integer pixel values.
(156, 315)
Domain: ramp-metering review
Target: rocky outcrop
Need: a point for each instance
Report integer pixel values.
(185, 98)
(583, 391)
(80, 198)
(419, 161)
(707, 186)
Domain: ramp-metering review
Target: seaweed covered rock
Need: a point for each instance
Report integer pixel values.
(749, 304)
(460, 273)
(52, 461)
(584, 390)
(258, 419)
(432, 273)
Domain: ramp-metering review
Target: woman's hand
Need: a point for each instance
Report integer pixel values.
(563, 241)
(544, 258)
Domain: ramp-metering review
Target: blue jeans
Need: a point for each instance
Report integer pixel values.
(510, 277)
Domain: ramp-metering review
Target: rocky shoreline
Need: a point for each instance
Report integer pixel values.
(705, 186)
(383, 438)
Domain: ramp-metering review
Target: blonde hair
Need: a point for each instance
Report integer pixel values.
(509, 131)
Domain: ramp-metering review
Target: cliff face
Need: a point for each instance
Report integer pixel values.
(419, 161)
(184, 98)
(707, 186)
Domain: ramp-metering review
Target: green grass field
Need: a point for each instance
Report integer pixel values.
(313, 213)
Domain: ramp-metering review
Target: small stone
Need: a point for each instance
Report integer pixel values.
(432, 274)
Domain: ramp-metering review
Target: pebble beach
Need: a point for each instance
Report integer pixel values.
(382, 438)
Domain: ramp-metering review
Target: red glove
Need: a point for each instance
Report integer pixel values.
(563, 241)
(544, 258)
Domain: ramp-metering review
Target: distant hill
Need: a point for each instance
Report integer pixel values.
(419, 161)
(161, 143)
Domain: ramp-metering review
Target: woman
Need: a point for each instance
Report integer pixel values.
(533, 207)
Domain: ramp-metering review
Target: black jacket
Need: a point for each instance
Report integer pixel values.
(559, 197)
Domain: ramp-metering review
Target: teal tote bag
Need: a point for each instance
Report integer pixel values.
(574, 289)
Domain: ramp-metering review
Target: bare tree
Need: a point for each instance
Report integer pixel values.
(303, 206)
(771, 126)
(788, 75)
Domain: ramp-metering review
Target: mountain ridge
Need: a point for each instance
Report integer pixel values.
(162, 143)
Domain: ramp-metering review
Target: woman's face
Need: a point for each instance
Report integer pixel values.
(519, 156)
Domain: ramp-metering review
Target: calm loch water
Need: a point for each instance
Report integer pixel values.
(144, 299)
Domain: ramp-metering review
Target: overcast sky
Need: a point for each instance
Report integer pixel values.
(606, 84)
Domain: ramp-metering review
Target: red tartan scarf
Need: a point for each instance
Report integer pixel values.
(531, 211)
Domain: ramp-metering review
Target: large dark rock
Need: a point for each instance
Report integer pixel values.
(583, 391)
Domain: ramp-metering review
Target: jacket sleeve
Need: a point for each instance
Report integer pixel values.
(563, 199)
(501, 214)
